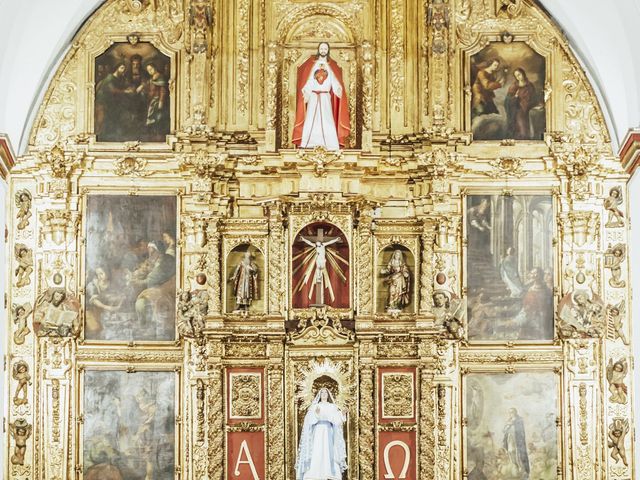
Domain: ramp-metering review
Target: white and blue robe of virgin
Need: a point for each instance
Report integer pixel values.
(322, 452)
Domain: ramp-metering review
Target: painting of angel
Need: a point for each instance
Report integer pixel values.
(507, 92)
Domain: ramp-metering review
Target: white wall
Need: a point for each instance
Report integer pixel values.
(4, 317)
(35, 35)
(604, 36)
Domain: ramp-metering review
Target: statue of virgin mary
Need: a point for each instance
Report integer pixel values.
(322, 454)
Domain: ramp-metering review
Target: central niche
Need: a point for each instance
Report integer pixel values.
(301, 37)
(320, 267)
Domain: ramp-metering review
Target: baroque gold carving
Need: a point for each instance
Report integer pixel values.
(20, 431)
(129, 165)
(242, 57)
(320, 158)
(192, 311)
(276, 422)
(215, 422)
(316, 369)
(21, 315)
(396, 54)
(24, 267)
(366, 423)
(23, 203)
(321, 326)
(397, 395)
(427, 426)
(618, 430)
(230, 173)
(59, 226)
(21, 375)
(246, 395)
(506, 167)
(245, 350)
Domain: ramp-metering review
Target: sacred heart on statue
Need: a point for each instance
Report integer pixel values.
(321, 75)
(320, 267)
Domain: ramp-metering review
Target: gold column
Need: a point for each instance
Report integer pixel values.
(366, 425)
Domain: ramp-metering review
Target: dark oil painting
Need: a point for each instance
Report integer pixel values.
(510, 267)
(129, 425)
(507, 92)
(132, 93)
(130, 268)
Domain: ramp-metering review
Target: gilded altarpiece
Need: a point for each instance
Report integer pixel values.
(344, 285)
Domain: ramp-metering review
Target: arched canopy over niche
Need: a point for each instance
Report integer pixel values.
(320, 28)
(315, 23)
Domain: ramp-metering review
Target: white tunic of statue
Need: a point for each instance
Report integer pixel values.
(322, 453)
(319, 125)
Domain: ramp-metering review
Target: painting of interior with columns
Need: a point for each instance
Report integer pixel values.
(282, 240)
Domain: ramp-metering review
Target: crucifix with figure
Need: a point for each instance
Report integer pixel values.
(314, 261)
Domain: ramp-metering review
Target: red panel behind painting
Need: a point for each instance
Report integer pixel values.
(300, 297)
(397, 455)
(245, 460)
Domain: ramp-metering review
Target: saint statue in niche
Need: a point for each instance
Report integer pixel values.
(398, 279)
(318, 268)
(245, 282)
(322, 110)
(322, 453)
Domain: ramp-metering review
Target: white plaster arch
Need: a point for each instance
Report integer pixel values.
(36, 36)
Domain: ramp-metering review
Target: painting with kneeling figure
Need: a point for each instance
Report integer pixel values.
(130, 274)
(509, 267)
(507, 92)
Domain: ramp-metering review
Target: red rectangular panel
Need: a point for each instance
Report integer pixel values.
(245, 459)
(397, 456)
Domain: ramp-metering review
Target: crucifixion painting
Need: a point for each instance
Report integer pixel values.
(320, 267)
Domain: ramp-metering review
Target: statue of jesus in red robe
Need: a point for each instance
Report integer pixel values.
(322, 110)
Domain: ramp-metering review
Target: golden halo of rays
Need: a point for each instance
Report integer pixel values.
(331, 369)
(308, 263)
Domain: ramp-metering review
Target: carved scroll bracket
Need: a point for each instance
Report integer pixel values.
(579, 162)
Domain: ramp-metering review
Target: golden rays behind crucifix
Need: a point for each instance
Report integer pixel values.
(314, 261)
